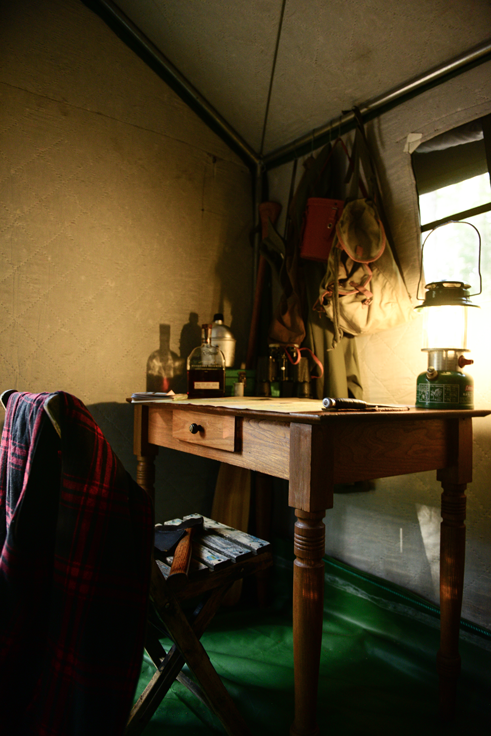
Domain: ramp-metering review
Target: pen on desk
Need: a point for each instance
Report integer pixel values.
(329, 404)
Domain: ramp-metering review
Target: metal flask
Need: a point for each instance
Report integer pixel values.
(223, 338)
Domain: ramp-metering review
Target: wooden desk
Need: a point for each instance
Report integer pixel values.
(313, 450)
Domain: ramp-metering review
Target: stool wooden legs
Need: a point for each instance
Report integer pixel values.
(308, 595)
(188, 649)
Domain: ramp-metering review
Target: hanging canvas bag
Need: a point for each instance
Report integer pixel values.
(363, 290)
(320, 218)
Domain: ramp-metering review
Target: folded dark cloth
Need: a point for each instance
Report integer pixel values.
(168, 537)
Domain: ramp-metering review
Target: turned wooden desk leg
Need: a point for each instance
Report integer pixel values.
(144, 451)
(308, 595)
(264, 521)
(145, 473)
(452, 559)
(454, 481)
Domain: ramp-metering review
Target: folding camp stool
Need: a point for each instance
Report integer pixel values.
(220, 556)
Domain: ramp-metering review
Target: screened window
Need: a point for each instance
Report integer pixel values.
(453, 180)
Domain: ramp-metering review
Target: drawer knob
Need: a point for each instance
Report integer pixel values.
(195, 428)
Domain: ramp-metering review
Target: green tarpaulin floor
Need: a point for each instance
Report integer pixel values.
(377, 673)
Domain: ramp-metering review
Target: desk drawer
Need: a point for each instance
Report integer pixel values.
(207, 430)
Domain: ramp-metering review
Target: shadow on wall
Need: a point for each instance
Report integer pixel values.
(184, 484)
(165, 369)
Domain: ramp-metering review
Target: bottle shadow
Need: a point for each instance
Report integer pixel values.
(166, 370)
(184, 484)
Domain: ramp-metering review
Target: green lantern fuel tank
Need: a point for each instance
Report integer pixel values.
(449, 390)
(443, 385)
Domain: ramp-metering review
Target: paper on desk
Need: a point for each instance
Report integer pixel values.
(263, 403)
(252, 403)
(153, 396)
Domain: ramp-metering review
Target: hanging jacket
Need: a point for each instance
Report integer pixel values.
(75, 547)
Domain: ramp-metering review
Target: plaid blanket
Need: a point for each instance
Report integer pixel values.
(75, 542)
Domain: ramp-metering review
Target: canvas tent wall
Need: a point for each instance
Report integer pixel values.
(119, 200)
(120, 211)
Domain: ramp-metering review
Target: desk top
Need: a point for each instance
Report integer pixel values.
(302, 410)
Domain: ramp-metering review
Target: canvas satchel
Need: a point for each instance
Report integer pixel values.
(363, 290)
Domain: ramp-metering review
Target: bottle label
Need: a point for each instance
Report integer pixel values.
(206, 385)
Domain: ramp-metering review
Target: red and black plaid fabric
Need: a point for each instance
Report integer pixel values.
(76, 534)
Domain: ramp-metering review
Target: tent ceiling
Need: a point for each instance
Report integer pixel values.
(332, 54)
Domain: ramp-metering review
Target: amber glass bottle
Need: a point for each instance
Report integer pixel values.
(206, 369)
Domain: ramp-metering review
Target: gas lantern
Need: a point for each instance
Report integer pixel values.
(446, 308)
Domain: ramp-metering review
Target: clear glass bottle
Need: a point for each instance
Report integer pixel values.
(206, 369)
(160, 364)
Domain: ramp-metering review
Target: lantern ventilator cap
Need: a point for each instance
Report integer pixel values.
(447, 293)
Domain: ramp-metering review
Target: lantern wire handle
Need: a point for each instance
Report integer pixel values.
(443, 224)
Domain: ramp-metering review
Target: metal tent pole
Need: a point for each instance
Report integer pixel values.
(378, 105)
